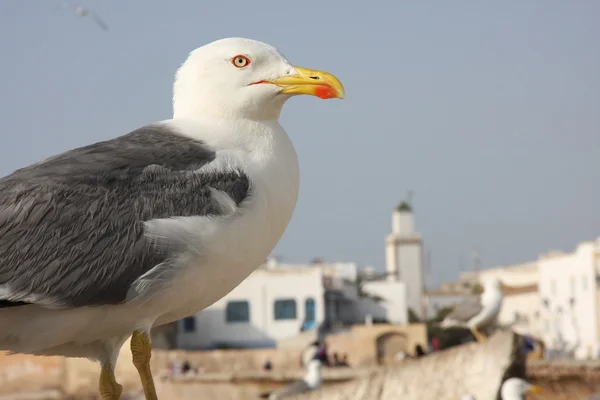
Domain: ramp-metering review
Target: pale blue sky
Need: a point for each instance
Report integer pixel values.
(490, 113)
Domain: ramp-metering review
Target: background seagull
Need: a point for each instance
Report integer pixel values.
(311, 381)
(517, 389)
(478, 313)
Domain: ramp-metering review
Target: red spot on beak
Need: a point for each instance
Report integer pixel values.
(325, 92)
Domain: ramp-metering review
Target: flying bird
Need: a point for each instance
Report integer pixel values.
(105, 241)
(81, 11)
(478, 313)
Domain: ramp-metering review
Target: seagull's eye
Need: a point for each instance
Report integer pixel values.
(240, 61)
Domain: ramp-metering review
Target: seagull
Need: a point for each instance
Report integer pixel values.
(308, 353)
(311, 381)
(512, 389)
(517, 389)
(478, 313)
(103, 242)
(83, 12)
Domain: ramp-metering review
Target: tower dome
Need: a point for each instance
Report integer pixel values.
(404, 206)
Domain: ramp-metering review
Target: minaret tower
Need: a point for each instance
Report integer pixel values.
(404, 256)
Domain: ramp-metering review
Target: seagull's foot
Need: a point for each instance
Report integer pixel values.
(141, 351)
(109, 388)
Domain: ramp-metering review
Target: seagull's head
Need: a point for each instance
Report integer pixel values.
(517, 389)
(243, 78)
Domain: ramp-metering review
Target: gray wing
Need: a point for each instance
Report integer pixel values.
(466, 310)
(71, 226)
(291, 389)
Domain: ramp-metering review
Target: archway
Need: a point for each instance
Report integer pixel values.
(389, 345)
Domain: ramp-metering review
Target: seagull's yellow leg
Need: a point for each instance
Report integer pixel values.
(483, 336)
(109, 388)
(141, 351)
(478, 336)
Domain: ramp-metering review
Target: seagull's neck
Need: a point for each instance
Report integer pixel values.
(260, 140)
(190, 101)
(238, 132)
(491, 295)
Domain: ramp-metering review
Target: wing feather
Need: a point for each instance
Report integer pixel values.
(466, 310)
(72, 227)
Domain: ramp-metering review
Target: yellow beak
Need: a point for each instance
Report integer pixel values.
(535, 389)
(312, 82)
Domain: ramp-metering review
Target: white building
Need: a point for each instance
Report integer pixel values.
(570, 301)
(279, 301)
(521, 310)
(404, 257)
(513, 275)
(521, 305)
(391, 308)
(555, 298)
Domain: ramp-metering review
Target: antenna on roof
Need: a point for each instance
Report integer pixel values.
(476, 259)
(409, 197)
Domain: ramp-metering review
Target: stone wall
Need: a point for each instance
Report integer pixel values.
(564, 379)
(473, 368)
(361, 342)
(228, 360)
(450, 372)
(19, 372)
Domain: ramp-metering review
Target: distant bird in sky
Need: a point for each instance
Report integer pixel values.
(478, 313)
(81, 11)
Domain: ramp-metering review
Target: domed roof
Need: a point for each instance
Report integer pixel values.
(404, 207)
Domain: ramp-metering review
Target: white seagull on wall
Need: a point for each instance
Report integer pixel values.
(478, 313)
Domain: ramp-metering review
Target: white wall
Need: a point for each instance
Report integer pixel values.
(565, 326)
(260, 289)
(516, 275)
(347, 271)
(393, 307)
(403, 222)
(391, 258)
(522, 312)
(410, 263)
